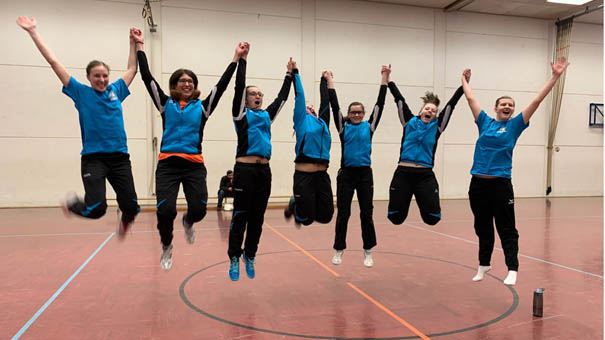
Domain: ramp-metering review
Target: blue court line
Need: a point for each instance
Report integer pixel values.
(52, 298)
(500, 249)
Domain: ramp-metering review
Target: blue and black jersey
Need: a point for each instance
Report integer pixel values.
(100, 114)
(419, 140)
(183, 128)
(356, 139)
(253, 127)
(313, 140)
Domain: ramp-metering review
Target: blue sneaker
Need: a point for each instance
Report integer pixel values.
(249, 261)
(234, 269)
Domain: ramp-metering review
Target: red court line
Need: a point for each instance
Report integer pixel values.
(391, 314)
(303, 250)
(359, 291)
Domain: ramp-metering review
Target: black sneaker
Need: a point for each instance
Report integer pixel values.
(289, 210)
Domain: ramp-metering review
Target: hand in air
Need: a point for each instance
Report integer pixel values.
(559, 66)
(26, 23)
(466, 75)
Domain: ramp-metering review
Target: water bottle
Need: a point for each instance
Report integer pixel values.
(538, 302)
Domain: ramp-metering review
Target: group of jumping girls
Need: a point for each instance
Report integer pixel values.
(180, 161)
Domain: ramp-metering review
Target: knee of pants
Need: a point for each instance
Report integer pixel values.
(366, 214)
(396, 217)
(197, 214)
(431, 219)
(131, 210)
(307, 222)
(325, 219)
(166, 215)
(97, 212)
(343, 213)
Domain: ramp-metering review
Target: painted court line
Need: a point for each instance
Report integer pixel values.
(303, 250)
(500, 249)
(52, 298)
(391, 314)
(359, 291)
(55, 234)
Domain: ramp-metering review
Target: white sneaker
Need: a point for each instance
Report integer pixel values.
(368, 261)
(337, 258)
(166, 259)
(189, 231)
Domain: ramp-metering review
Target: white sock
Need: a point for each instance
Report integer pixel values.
(337, 259)
(368, 261)
(511, 278)
(482, 270)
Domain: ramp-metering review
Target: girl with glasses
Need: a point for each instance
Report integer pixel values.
(355, 173)
(104, 150)
(251, 173)
(180, 161)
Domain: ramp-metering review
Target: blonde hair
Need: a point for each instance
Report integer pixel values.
(430, 98)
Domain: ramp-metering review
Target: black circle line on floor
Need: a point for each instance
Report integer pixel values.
(487, 323)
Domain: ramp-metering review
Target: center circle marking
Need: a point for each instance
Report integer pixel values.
(214, 317)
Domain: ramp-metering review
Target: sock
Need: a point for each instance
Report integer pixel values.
(482, 270)
(511, 278)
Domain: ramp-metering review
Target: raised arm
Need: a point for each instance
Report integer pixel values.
(382, 93)
(324, 101)
(403, 111)
(274, 108)
(446, 112)
(211, 101)
(468, 93)
(29, 25)
(300, 106)
(338, 118)
(239, 98)
(155, 91)
(557, 69)
(131, 68)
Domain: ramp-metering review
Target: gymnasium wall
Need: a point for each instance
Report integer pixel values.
(427, 48)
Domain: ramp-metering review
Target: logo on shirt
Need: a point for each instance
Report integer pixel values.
(113, 96)
(511, 201)
(501, 130)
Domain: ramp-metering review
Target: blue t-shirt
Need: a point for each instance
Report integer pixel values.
(100, 113)
(494, 148)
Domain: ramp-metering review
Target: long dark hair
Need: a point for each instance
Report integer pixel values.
(174, 79)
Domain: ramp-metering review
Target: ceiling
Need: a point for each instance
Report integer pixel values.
(539, 9)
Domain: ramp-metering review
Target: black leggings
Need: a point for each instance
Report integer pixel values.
(171, 172)
(313, 197)
(252, 187)
(421, 183)
(116, 168)
(350, 179)
(493, 199)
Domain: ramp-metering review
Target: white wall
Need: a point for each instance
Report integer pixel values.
(427, 48)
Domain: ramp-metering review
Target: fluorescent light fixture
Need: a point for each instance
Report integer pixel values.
(569, 2)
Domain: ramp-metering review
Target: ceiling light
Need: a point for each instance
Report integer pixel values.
(569, 2)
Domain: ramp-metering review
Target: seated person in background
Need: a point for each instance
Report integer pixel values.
(225, 189)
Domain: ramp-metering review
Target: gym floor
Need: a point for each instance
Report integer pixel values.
(73, 279)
